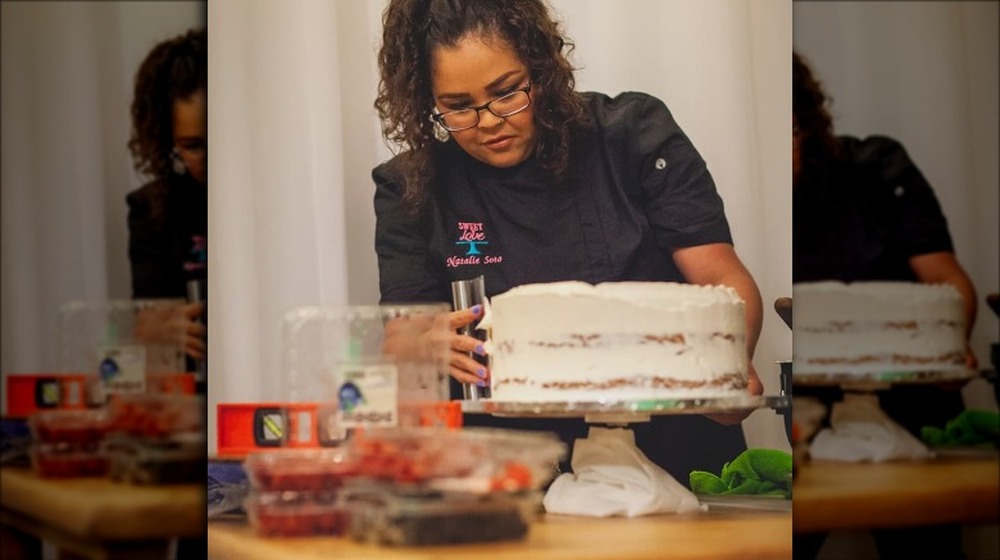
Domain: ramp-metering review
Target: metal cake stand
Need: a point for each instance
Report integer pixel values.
(881, 380)
(619, 412)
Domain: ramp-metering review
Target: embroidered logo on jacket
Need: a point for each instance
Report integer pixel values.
(472, 238)
(198, 256)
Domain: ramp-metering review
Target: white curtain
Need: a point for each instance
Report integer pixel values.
(67, 72)
(277, 171)
(925, 73)
(294, 138)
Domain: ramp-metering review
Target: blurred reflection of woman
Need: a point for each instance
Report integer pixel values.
(863, 211)
(168, 216)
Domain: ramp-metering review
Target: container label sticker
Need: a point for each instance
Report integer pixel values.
(367, 396)
(123, 368)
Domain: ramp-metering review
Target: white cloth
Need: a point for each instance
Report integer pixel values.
(611, 476)
(861, 431)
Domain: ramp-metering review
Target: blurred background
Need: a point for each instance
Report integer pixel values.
(67, 78)
(926, 74)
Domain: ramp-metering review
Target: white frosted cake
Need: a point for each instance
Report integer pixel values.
(877, 327)
(573, 341)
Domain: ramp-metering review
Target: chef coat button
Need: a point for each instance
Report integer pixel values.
(900, 191)
(661, 163)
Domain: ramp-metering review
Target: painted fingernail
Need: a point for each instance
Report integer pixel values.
(480, 350)
(476, 309)
(481, 373)
(481, 383)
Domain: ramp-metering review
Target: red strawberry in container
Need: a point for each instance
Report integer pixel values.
(49, 462)
(70, 426)
(299, 469)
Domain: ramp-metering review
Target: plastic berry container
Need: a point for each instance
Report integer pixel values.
(312, 470)
(470, 459)
(401, 520)
(296, 514)
(71, 426)
(177, 460)
(49, 462)
(158, 415)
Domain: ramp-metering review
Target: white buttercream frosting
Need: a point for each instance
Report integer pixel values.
(572, 341)
(876, 327)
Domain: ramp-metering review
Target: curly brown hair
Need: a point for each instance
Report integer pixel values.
(411, 29)
(812, 117)
(174, 69)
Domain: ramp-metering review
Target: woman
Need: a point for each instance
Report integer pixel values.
(511, 174)
(168, 216)
(864, 212)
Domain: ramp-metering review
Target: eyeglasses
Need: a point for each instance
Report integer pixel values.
(503, 107)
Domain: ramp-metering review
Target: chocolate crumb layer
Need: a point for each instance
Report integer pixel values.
(903, 359)
(663, 339)
(731, 380)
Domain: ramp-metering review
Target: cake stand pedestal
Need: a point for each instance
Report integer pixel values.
(619, 414)
(870, 383)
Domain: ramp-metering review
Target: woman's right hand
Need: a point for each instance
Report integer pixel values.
(461, 365)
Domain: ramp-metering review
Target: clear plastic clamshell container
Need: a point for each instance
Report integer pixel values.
(296, 514)
(391, 516)
(159, 415)
(405, 486)
(175, 460)
(67, 461)
(78, 427)
(478, 460)
(312, 470)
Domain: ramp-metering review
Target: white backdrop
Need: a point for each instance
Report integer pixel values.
(294, 139)
(925, 73)
(67, 72)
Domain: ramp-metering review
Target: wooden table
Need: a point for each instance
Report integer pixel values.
(97, 518)
(831, 496)
(713, 534)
